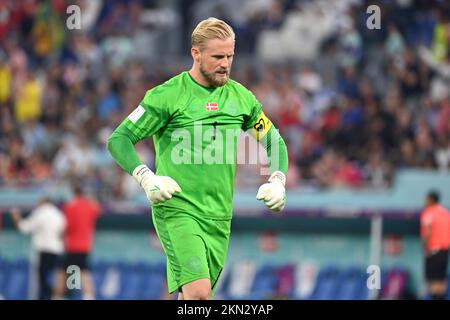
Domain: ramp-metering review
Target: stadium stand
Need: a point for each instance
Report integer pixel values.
(141, 280)
(365, 114)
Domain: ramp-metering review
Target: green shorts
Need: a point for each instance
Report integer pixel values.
(195, 247)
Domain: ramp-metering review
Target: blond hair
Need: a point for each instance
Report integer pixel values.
(211, 28)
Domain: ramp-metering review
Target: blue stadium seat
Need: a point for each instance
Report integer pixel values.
(4, 275)
(352, 284)
(223, 285)
(130, 281)
(265, 283)
(152, 282)
(242, 275)
(99, 270)
(108, 277)
(448, 287)
(305, 278)
(16, 286)
(327, 284)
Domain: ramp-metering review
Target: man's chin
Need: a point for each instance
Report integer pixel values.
(219, 82)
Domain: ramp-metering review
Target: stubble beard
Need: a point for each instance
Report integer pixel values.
(212, 79)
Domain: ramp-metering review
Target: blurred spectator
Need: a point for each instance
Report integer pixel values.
(5, 79)
(435, 234)
(28, 99)
(46, 225)
(81, 216)
(394, 44)
(440, 45)
(442, 154)
(377, 172)
(381, 98)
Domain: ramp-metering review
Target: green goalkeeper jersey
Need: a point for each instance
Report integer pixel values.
(195, 130)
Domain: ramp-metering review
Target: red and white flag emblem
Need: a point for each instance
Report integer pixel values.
(212, 106)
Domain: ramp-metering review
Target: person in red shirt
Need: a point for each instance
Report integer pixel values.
(81, 215)
(435, 234)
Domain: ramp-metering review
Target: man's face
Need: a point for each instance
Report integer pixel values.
(215, 61)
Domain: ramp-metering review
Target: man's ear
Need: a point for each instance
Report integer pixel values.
(196, 54)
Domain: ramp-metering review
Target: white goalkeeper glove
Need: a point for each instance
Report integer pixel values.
(157, 188)
(273, 192)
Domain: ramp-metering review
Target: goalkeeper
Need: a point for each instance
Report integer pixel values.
(191, 196)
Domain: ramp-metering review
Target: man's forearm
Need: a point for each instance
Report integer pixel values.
(276, 150)
(121, 147)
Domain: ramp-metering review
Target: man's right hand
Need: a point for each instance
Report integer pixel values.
(16, 214)
(157, 188)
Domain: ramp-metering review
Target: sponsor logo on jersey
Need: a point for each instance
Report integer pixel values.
(212, 106)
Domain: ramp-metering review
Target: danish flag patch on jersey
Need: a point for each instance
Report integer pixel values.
(212, 106)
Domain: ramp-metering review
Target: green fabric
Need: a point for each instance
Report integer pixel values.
(121, 147)
(195, 248)
(195, 132)
(276, 150)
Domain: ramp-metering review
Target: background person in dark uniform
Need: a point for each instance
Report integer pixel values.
(435, 234)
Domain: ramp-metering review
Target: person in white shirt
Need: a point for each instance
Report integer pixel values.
(45, 224)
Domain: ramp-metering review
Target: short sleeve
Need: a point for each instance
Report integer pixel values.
(425, 222)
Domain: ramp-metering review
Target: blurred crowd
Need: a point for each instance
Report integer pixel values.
(354, 104)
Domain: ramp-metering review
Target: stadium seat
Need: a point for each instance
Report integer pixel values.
(152, 282)
(99, 271)
(395, 284)
(352, 284)
(242, 280)
(110, 285)
(305, 280)
(242, 276)
(16, 286)
(327, 284)
(4, 276)
(265, 283)
(223, 284)
(448, 287)
(130, 281)
(286, 281)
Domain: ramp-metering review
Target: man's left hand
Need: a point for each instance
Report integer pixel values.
(273, 192)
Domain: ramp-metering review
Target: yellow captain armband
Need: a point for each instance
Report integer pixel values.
(260, 127)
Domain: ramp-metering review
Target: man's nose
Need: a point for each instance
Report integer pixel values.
(225, 63)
